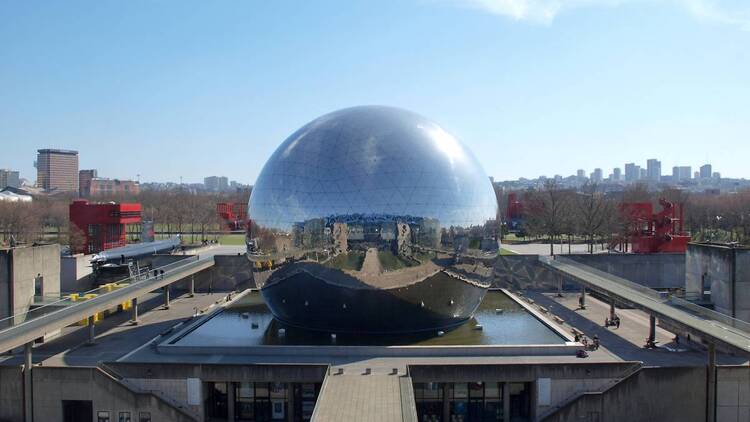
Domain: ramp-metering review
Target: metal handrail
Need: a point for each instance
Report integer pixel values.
(128, 280)
(651, 293)
(709, 314)
(672, 300)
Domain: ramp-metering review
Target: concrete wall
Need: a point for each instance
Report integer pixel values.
(655, 271)
(651, 394)
(525, 272)
(230, 272)
(53, 385)
(733, 394)
(175, 389)
(726, 271)
(11, 393)
(76, 273)
(18, 269)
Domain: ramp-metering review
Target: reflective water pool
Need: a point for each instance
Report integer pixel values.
(249, 323)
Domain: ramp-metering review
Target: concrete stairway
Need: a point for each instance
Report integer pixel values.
(179, 410)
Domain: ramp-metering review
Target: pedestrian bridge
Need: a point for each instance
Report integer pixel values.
(713, 327)
(24, 328)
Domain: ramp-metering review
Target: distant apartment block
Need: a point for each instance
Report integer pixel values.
(706, 171)
(616, 174)
(57, 170)
(632, 172)
(216, 183)
(653, 170)
(84, 182)
(101, 187)
(9, 178)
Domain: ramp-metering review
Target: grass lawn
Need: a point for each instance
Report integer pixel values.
(504, 251)
(232, 239)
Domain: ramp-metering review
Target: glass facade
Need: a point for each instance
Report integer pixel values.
(472, 402)
(374, 175)
(376, 196)
(261, 401)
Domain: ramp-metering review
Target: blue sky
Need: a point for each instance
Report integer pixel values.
(191, 88)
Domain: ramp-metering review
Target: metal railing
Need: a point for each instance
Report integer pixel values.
(651, 293)
(709, 314)
(671, 300)
(51, 306)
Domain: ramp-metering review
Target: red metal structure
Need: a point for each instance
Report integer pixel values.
(514, 212)
(651, 232)
(103, 224)
(234, 214)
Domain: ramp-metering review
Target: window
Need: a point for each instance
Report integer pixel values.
(429, 401)
(38, 285)
(245, 401)
(77, 411)
(102, 416)
(305, 396)
(216, 401)
(144, 417)
(124, 417)
(520, 401)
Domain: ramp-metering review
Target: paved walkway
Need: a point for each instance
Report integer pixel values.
(543, 248)
(626, 342)
(115, 336)
(367, 394)
(628, 292)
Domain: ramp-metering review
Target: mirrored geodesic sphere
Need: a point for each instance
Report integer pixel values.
(370, 177)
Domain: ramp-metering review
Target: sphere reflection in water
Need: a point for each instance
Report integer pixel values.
(372, 219)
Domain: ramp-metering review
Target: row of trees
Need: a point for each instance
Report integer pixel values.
(46, 217)
(594, 216)
(562, 214)
(724, 218)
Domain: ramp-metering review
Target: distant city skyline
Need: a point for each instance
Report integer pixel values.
(619, 171)
(588, 86)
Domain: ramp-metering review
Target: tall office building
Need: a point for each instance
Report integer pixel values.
(9, 178)
(57, 169)
(642, 175)
(616, 174)
(653, 170)
(597, 176)
(680, 173)
(706, 171)
(581, 174)
(632, 172)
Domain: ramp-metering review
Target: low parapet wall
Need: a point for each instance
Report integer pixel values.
(651, 394)
(656, 271)
(229, 273)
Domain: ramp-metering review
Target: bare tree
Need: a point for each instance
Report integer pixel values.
(547, 210)
(593, 213)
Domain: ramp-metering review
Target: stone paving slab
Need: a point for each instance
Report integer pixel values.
(360, 397)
